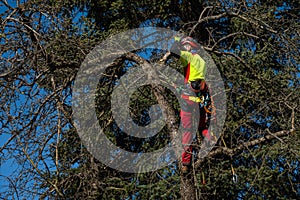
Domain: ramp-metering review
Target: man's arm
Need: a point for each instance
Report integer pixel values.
(174, 51)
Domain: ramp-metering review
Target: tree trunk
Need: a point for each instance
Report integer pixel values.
(187, 187)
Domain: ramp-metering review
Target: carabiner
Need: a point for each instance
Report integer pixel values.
(234, 178)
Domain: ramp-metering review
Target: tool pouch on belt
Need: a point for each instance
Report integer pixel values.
(190, 97)
(197, 92)
(198, 86)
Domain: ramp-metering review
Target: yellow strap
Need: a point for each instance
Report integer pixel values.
(213, 134)
(232, 169)
(224, 142)
(203, 178)
(195, 99)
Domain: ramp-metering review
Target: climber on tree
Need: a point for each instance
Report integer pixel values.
(194, 91)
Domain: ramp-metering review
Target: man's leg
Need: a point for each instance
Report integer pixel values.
(186, 119)
(203, 125)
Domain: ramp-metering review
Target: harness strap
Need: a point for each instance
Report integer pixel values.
(210, 109)
(192, 98)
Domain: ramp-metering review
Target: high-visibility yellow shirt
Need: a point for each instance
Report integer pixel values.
(195, 66)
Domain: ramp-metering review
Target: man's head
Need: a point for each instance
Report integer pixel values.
(189, 44)
(187, 47)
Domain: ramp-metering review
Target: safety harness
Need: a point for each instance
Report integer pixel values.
(206, 103)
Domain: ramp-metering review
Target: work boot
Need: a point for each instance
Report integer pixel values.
(185, 169)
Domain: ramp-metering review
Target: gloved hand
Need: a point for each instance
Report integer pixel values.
(177, 38)
(195, 99)
(165, 57)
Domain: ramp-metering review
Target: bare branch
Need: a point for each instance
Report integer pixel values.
(234, 151)
(255, 23)
(206, 19)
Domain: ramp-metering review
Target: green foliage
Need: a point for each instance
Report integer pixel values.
(254, 46)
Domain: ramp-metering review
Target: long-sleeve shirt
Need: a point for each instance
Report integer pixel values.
(193, 65)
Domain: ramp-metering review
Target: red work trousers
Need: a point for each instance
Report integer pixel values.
(187, 117)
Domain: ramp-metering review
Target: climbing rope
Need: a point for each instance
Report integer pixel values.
(234, 175)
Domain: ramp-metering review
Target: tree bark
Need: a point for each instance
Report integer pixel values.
(187, 188)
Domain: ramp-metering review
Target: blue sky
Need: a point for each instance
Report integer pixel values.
(7, 167)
